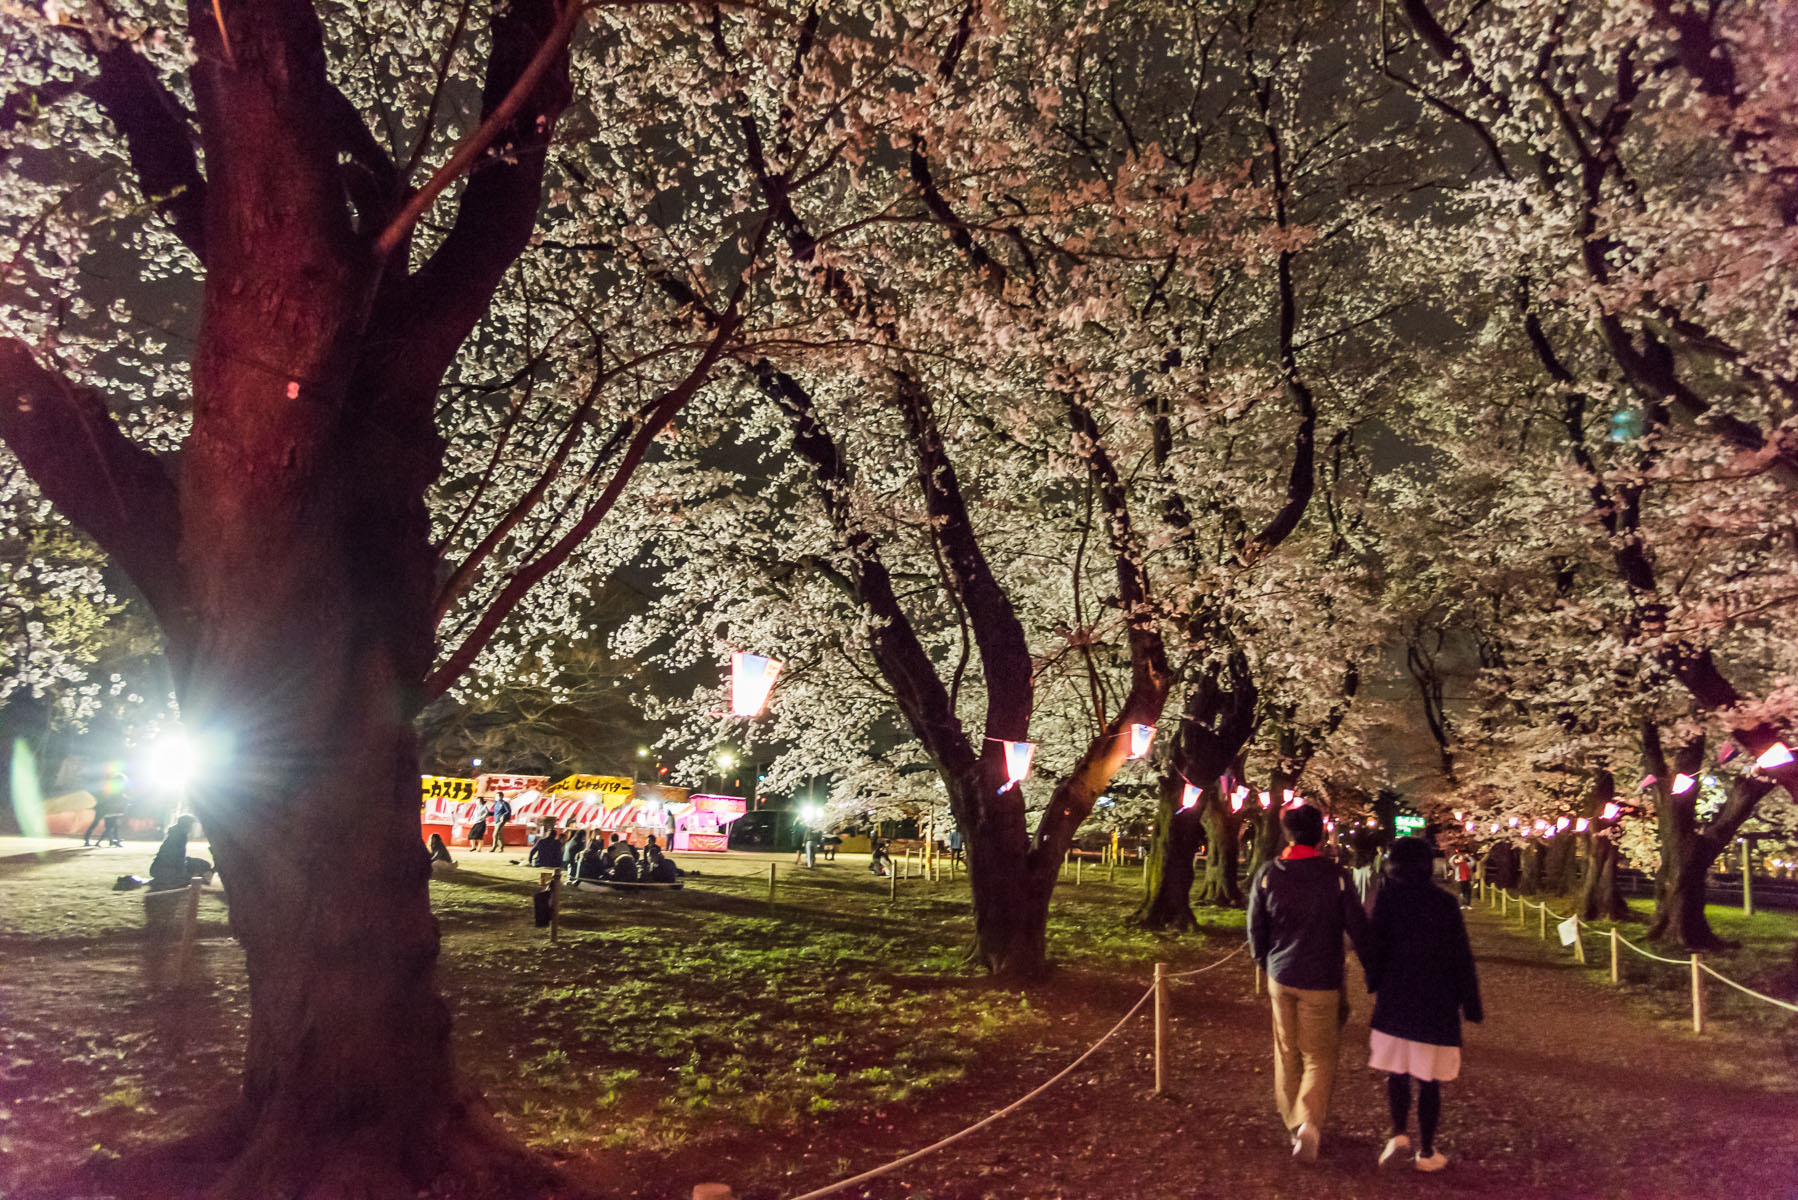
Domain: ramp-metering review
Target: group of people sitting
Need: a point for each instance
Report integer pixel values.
(586, 856)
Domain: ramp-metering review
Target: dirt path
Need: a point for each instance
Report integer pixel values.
(1569, 1091)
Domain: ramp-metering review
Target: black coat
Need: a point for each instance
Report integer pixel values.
(1420, 965)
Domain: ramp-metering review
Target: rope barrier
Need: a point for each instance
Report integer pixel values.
(1694, 962)
(1201, 970)
(1705, 967)
(915, 1155)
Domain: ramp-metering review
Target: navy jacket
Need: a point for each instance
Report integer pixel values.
(1420, 965)
(1299, 911)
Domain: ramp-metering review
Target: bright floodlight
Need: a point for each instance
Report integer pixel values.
(172, 762)
(726, 759)
(810, 813)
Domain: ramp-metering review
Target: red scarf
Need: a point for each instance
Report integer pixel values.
(1297, 851)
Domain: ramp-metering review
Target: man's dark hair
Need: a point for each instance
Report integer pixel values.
(1304, 825)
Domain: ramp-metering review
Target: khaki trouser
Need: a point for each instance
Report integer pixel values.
(1306, 1027)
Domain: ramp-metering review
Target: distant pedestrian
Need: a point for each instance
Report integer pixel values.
(1300, 907)
(477, 832)
(1420, 970)
(109, 810)
(502, 812)
(1462, 865)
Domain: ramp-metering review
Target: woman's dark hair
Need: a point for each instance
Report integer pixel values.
(1411, 858)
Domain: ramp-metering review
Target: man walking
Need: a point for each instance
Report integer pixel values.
(1300, 907)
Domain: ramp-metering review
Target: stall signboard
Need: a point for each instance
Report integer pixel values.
(1408, 825)
(604, 785)
(447, 787)
(486, 786)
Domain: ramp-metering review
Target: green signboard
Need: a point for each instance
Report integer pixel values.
(1408, 826)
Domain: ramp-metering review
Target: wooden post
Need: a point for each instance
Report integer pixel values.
(1113, 876)
(1697, 995)
(1543, 909)
(892, 885)
(555, 906)
(1747, 881)
(1616, 975)
(1579, 942)
(1160, 1023)
(771, 869)
(1504, 902)
(1078, 863)
(190, 931)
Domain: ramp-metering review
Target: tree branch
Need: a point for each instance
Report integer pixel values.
(159, 138)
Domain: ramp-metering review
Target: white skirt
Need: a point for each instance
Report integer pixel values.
(1419, 1060)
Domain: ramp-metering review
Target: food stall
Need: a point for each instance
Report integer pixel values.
(445, 806)
(705, 825)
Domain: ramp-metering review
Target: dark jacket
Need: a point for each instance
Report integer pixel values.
(546, 852)
(1420, 965)
(1299, 910)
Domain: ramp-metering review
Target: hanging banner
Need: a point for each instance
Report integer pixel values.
(604, 785)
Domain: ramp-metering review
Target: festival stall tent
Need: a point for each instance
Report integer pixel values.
(706, 823)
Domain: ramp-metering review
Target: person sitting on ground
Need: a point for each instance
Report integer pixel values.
(658, 867)
(592, 866)
(440, 855)
(620, 848)
(572, 849)
(1420, 970)
(546, 851)
(172, 868)
(879, 860)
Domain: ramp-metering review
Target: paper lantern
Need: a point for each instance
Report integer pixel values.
(1563, 822)
(1189, 796)
(1140, 737)
(1611, 812)
(1286, 797)
(1581, 825)
(1458, 814)
(1540, 823)
(1266, 799)
(1774, 756)
(1495, 827)
(1241, 794)
(1513, 821)
(1470, 825)
(1236, 800)
(1683, 783)
(1017, 762)
(751, 679)
(1648, 781)
(1727, 751)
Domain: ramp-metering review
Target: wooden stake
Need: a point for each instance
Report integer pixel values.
(1616, 975)
(555, 906)
(1543, 909)
(1077, 865)
(1747, 883)
(190, 930)
(771, 868)
(1697, 995)
(1579, 942)
(1160, 1023)
(892, 886)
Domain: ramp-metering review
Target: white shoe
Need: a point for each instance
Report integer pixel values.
(1304, 1143)
(1434, 1162)
(1396, 1148)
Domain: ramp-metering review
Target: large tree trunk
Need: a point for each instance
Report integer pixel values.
(1167, 876)
(1686, 859)
(1010, 890)
(1222, 885)
(1600, 899)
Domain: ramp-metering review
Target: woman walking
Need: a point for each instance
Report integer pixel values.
(1420, 969)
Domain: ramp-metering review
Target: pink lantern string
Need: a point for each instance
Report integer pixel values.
(1648, 781)
(1140, 737)
(1683, 783)
(1267, 798)
(1238, 797)
(1774, 757)
(1017, 763)
(1189, 796)
(1513, 821)
(751, 679)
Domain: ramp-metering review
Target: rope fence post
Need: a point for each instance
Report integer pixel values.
(1160, 1023)
(1523, 912)
(1697, 994)
(1504, 903)
(190, 931)
(555, 906)
(1616, 974)
(1579, 941)
(1543, 910)
(892, 885)
(1747, 881)
(771, 870)
(1078, 862)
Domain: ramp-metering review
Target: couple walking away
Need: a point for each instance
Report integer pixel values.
(1419, 968)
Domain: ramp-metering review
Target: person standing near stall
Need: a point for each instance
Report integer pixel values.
(502, 812)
